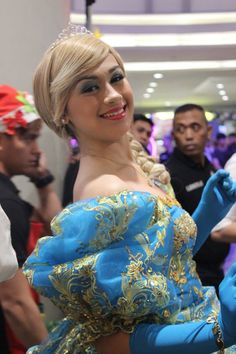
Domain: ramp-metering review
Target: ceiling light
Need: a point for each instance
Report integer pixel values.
(157, 20)
(150, 90)
(146, 95)
(167, 104)
(225, 98)
(164, 115)
(220, 86)
(153, 84)
(222, 92)
(169, 39)
(158, 76)
(210, 116)
(180, 65)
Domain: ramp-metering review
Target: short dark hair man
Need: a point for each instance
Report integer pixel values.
(190, 170)
(141, 128)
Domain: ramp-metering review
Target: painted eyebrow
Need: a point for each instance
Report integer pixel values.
(94, 77)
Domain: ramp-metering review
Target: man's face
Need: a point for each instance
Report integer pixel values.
(191, 133)
(20, 153)
(142, 131)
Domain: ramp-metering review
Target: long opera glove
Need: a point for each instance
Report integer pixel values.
(219, 194)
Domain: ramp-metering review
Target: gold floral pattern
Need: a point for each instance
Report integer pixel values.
(114, 262)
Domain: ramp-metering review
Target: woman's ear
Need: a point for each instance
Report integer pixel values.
(65, 119)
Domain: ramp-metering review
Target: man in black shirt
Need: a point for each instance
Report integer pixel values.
(20, 127)
(190, 170)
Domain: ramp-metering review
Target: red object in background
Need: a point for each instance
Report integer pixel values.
(36, 231)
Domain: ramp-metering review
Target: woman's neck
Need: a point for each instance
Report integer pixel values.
(119, 153)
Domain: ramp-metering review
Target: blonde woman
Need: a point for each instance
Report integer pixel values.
(119, 263)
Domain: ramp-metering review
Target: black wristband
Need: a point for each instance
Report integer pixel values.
(43, 181)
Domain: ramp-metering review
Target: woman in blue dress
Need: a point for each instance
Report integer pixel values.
(119, 261)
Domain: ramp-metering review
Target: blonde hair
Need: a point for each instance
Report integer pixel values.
(153, 170)
(57, 75)
(58, 72)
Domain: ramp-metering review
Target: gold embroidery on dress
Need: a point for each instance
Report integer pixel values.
(147, 292)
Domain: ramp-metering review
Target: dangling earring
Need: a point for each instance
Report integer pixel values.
(63, 121)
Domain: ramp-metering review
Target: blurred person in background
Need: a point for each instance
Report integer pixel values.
(190, 170)
(168, 147)
(21, 324)
(231, 145)
(219, 156)
(71, 172)
(141, 128)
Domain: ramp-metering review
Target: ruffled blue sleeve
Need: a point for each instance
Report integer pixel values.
(107, 264)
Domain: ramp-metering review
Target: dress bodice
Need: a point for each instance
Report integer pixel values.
(115, 261)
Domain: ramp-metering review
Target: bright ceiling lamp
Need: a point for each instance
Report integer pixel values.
(210, 116)
(166, 115)
(170, 39)
(157, 20)
(180, 65)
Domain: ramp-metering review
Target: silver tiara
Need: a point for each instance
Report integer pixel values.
(70, 31)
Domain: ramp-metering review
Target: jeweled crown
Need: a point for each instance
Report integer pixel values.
(71, 30)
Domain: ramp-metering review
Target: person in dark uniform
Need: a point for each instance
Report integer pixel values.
(190, 169)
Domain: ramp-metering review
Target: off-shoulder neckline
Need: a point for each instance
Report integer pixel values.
(166, 199)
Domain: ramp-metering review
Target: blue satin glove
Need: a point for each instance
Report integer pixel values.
(227, 317)
(219, 194)
(190, 337)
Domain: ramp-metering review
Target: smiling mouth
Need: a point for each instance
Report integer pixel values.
(115, 114)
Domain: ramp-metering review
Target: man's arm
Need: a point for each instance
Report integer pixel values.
(225, 234)
(225, 231)
(49, 202)
(49, 205)
(20, 310)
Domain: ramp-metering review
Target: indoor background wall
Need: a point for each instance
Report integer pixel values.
(27, 27)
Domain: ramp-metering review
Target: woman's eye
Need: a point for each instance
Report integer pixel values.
(89, 88)
(117, 77)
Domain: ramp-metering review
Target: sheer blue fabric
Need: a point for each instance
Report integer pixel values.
(114, 262)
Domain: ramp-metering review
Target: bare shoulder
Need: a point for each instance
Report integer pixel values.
(104, 185)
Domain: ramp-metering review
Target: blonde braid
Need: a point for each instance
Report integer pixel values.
(153, 170)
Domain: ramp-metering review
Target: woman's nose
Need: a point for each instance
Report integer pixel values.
(112, 95)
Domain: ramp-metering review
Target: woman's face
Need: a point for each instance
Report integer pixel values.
(101, 105)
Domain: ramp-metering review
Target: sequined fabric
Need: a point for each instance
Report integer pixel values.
(114, 262)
